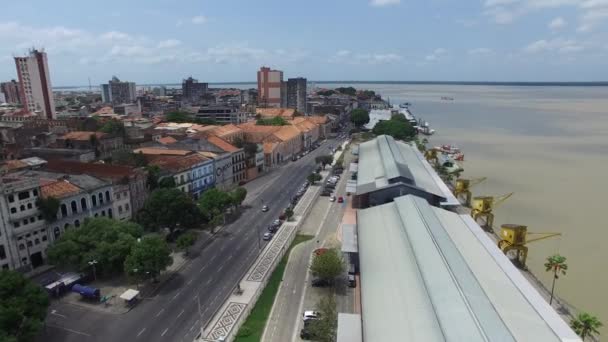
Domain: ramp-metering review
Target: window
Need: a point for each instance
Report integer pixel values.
(110, 213)
(35, 192)
(74, 207)
(29, 206)
(100, 198)
(30, 244)
(83, 203)
(94, 200)
(22, 208)
(2, 252)
(32, 219)
(120, 209)
(66, 226)
(13, 210)
(17, 224)
(24, 260)
(24, 195)
(108, 196)
(25, 222)
(118, 195)
(181, 178)
(77, 223)
(44, 238)
(36, 241)
(40, 217)
(127, 207)
(96, 214)
(64, 210)
(11, 198)
(103, 213)
(21, 246)
(124, 194)
(56, 232)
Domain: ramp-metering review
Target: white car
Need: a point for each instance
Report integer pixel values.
(264, 208)
(311, 315)
(332, 198)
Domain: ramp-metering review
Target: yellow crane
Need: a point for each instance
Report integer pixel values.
(482, 208)
(514, 238)
(463, 187)
(431, 156)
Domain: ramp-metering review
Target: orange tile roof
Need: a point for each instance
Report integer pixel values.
(304, 125)
(227, 129)
(59, 189)
(202, 128)
(272, 112)
(319, 120)
(11, 165)
(179, 164)
(82, 135)
(93, 169)
(269, 147)
(162, 151)
(287, 133)
(167, 140)
(221, 143)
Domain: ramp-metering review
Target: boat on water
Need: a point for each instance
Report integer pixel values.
(447, 98)
(405, 105)
(450, 164)
(452, 151)
(426, 130)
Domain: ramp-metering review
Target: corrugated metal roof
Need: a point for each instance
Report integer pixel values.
(425, 276)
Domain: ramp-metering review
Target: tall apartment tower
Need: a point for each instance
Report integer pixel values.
(296, 94)
(118, 92)
(269, 87)
(192, 90)
(35, 81)
(11, 91)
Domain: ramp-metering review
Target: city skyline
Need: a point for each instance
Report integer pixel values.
(377, 40)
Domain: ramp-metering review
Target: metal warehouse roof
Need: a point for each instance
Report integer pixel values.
(349, 328)
(428, 274)
(384, 159)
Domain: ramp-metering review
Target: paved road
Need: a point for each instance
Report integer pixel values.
(323, 221)
(193, 295)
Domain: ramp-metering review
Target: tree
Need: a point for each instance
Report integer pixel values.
(328, 265)
(186, 240)
(556, 264)
(114, 127)
(359, 117)
(148, 257)
(288, 213)
(238, 195)
(324, 160)
(347, 91)
(275, 121)
(123, 157)
(49, 206)
(585, 325)
(250, 149)
(23, 306)
(178, 117)
(168, 208)
(102, 239)
(328, 92)
(325, 328)
(398, 129)
(167, 183)
(153, 175)
(214, 202)
(313, 178)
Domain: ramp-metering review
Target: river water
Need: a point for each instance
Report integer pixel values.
(548, 145)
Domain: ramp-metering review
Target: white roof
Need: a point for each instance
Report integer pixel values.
(426, 275)
(349, 238)
(349, 328)
(129, 294)
(376, 115)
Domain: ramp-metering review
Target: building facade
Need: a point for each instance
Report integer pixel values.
(296, 94)
(118, 92)
(193, 90)
(35, 81)
(222, 114)
(269, 87)
(11, 91)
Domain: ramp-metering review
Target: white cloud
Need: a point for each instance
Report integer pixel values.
(199, 19)
(480, 51)
(557, 23)
(347, 56)
(466, 22)
(592, 18)
(554, 45)
(169, 43)
(507, 11)
(435, 55)
(382, 3)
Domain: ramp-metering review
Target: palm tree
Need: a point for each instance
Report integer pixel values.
(585, 325)
(556, 264)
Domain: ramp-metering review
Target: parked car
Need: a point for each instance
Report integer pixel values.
(306, 334)
(332, 198)
(264, 208)
(267, 236)
(319, 282)
(352, 281)
(340, 199)
(311, 315)
(326, 193)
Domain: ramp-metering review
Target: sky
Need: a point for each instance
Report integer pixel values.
(164, 41)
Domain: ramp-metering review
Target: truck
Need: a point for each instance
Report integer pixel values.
(87, 291)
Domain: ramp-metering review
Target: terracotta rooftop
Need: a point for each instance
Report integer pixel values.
(272, 112)
(221, 131)
(162, 151)
(11, 165)
(179, 164)
(82, 135)
(269, 147)
(303, 125)
(318, 119)
(286, 133)
(59, 189)
(167, 140)
(221, 143)
(107, 171)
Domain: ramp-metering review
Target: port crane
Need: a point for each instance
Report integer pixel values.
(463, 187)
(482, 208)
(515, 237)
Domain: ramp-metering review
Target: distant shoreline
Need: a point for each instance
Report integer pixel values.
(463, 83)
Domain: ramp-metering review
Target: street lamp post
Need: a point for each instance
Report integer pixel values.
(92, 263)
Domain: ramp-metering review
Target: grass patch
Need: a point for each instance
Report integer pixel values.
(253, 328)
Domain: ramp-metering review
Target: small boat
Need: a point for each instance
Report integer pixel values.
(426, 130)
(405, 105)
(448, 149)
(447, 98)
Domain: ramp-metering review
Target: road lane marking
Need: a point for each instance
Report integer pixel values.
(164, 332)
(181, 313)
(177, 294)
(68, 329)
(221, 267)
(54, 312)
(208, 281)
(142, 330)
(189, 282)
(160, 312)
(202, 269)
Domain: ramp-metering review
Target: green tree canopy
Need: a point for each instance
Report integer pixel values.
(128, 158)
(359, 117)
(23, 306)
(153, 175)
(168, 208)
(186, 240)
(347, 91)
(105, 240)
(275, 121)
(288, 214)
(167, 182)
(555, 264)
(250, 149)
(324, 160)
(585, 325)
(328, 92)
(114, 127)
(49, 206)
(395, 127)
(148, 257)
(328, 265)
(214, 202)
(178, 117)
(325, 328)
(238, 195)
(313, 178)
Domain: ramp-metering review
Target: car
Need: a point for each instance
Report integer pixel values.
(307, 315)
(340, 199)
(272, 229)
(326, 193)
(264, 208)
(306, 334)
(332, 198)
(267, 236)
(276, 222)
(330, 186)
(352, 281)
(319, 282)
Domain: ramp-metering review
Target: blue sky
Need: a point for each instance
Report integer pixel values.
(454, 40)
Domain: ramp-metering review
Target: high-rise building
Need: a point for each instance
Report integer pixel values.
(11, 91)
(296, 94)
(118, 92)
(192, 90)
(269, 87)
(35, 81)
